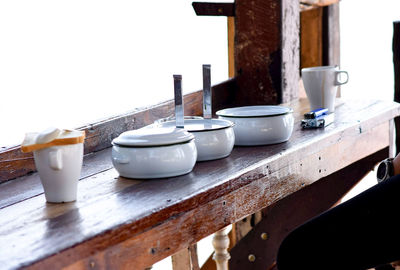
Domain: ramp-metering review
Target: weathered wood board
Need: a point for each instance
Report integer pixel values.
(118, 223)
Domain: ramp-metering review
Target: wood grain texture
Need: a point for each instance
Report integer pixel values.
(186, 259)
(290, 50)
(331, 39)
(118, 223)
(266, 51)
(231, 46)
(311, 38)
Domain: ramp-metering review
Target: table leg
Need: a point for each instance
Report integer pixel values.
(221, 244)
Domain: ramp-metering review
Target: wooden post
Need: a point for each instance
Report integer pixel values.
(331, 37)
(266, 51)
(186, 259)
(311, 38)
(231, 46)
(221, 244)
(396, 64)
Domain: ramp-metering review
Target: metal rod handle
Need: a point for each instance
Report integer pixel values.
(207, 110)
(178, 101)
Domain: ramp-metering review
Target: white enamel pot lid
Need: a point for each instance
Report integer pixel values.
(153, 137)
(254, 111)
(200, 125)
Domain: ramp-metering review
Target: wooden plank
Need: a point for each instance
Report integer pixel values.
(231, 46)
(181, 260)
(396, 67)
(149, 220)
(331, 35)
(331, 38)
(194, 259)
(266, 51)
(214, 9)
(311, 38)
(186, 259)
(282, 217)
(14, 163)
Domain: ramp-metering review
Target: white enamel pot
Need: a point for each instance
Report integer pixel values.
(154, 153)
(214, 138)
(260, 125)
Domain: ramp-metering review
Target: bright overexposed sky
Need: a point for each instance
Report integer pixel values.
(69, 63)
(366, 31)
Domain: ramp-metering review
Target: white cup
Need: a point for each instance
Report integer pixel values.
(321, 84)
(59, 169)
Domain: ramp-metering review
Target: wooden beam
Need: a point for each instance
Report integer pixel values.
(231, 46)
(186, 259)
(331, 38)
(311, 38)
(266, 51)
(214, 9)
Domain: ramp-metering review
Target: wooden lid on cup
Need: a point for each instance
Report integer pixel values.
(51, 137)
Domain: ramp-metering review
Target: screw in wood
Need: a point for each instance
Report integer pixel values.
(251, 258)
(264, 236)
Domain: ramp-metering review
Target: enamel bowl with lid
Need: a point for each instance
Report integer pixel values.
(260, 125)
(214, 138)
(154, 153)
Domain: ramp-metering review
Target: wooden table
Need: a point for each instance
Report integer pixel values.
(121, 223)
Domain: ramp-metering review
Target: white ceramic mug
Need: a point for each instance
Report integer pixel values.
(59, 169)
(321, 84)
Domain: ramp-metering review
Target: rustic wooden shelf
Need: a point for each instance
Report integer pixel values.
(118, 223)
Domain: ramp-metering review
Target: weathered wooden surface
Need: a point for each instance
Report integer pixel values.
(266, 51)
(186, 259)
(120, 223)
(396, 67)
(311, 38)
(331, 32)
(231, 47)
(285, 215)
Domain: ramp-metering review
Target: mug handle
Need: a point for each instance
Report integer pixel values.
(339, 82)
(55, 159)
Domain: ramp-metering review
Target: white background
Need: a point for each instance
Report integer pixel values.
(69, 63)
